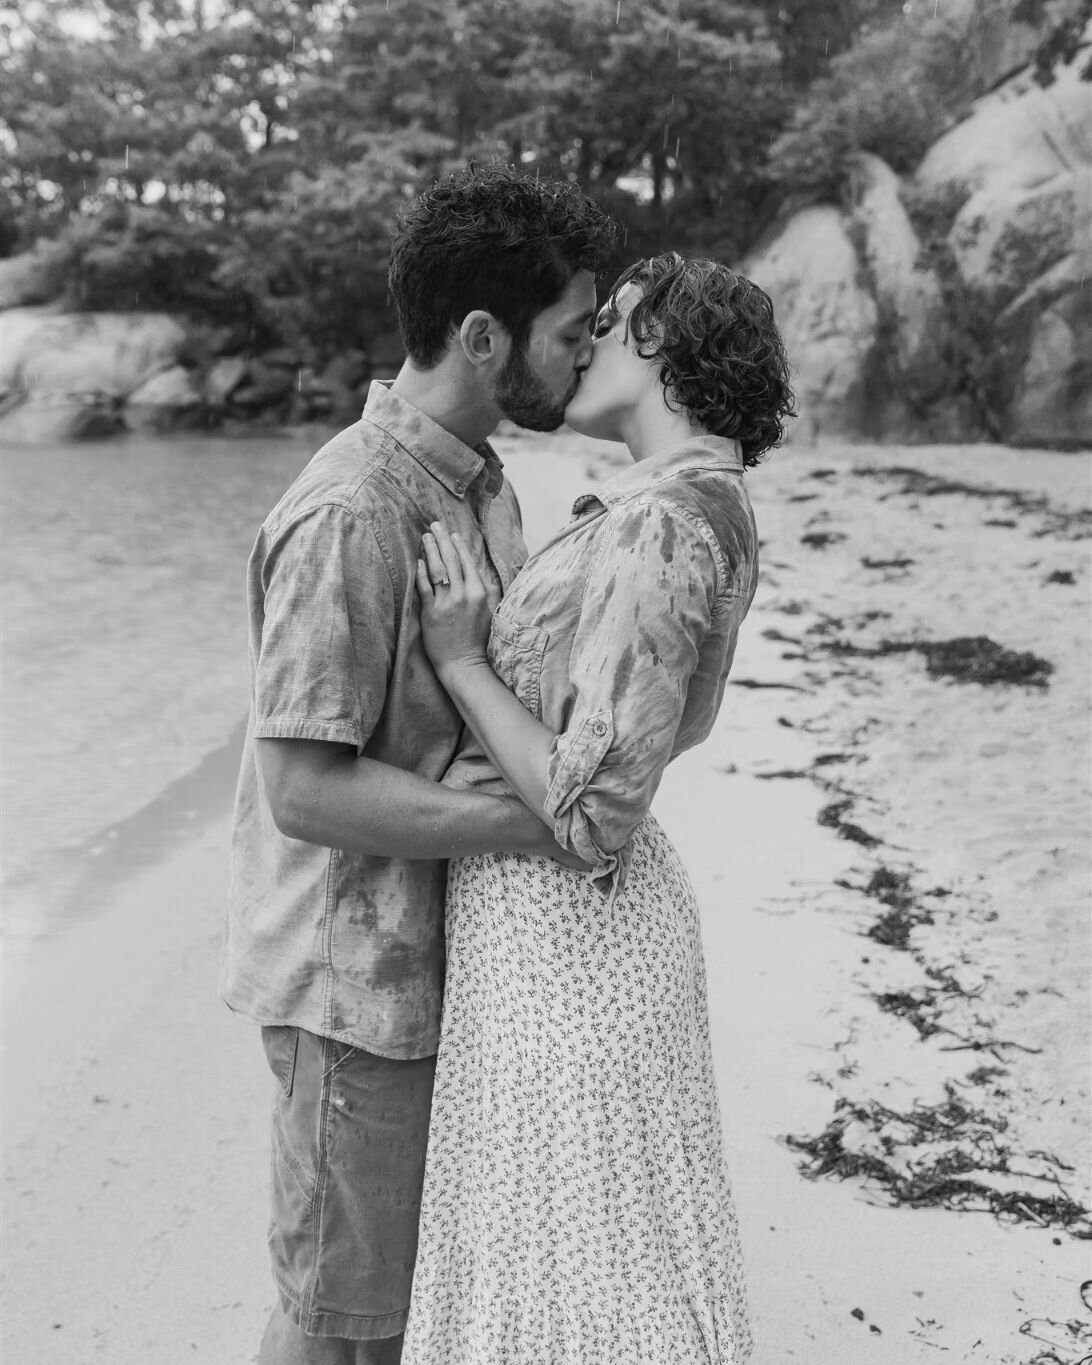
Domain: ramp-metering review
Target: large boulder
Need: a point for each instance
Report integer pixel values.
(1044, 346)
(47, 351)
(1006, 236)
(1022, 245)
(827, 317)
(168, 401)
(976, 322)
(47, 418)
(905, 288)
(1020, 135)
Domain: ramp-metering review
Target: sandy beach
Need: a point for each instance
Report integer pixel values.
(889, 836)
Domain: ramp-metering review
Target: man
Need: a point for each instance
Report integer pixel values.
(335, 925)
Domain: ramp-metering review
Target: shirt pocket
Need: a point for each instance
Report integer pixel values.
(516, 654)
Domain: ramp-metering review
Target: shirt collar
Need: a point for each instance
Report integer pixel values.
(443, 455)
(701, 452)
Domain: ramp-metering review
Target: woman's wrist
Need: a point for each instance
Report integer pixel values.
(457, 675)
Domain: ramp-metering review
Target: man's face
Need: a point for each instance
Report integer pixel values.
(537, 383)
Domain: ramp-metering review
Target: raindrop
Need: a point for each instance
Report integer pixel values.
(126, 156)
(677, 141)
(618, 12)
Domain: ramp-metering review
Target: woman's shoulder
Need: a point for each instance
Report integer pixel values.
(672, 520)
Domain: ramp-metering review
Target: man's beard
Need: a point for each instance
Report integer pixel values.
(524, 399)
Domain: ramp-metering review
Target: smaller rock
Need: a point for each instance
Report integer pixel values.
(266, 385)
(225, 375)
(168, 401)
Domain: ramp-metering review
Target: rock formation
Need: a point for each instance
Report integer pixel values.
(980, 324)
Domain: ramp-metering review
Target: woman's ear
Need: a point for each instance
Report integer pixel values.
(483, 339)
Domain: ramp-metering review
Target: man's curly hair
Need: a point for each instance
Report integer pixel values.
(721, 356)
(490, 237)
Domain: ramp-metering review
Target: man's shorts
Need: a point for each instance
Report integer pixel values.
(349, 1136)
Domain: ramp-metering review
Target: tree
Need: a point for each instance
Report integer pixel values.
(893, 93)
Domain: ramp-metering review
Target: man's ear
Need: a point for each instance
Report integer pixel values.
(484, 340)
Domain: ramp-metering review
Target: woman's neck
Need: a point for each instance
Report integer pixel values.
(653, 429)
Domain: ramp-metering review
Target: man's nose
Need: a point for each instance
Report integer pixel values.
(584, 355)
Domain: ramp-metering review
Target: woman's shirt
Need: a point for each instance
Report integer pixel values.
(619, 634)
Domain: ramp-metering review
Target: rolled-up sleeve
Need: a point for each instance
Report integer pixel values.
(326, 643)
(647, 608)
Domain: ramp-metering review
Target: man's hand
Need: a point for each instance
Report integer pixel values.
(324, 794)
(544, 845)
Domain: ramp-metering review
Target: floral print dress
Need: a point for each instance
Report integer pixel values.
(577, 1208)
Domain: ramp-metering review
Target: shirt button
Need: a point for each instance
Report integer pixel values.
(599, 728)
(460, 488)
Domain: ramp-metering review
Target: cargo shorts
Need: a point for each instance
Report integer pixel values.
(350, 1131)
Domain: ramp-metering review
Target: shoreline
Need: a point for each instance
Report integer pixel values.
(136, 1105)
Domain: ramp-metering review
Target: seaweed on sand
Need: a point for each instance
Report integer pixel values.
(903, 914)
(833, 817)
(964, 659)
(917, 1008)
(1072, 525)
(954, 1141)
(899, 562)
(819, 540)
(981, 660)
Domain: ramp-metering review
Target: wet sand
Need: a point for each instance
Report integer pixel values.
(893, 868)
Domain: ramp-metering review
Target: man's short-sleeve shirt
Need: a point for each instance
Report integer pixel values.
(335, 942)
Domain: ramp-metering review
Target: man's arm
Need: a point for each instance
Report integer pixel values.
(325, 794)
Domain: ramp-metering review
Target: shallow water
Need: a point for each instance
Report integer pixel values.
(123, 632)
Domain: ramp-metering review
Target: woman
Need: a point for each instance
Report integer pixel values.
(577, 1206)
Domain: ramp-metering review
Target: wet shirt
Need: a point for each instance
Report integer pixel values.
(619, 635)
(335, 942)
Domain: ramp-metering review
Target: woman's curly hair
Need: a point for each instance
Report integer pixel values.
(721, 356)
(495, 238)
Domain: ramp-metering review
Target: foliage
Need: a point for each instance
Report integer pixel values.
(243, 160)
(810, 32)
(893, 94)
(1067, 22)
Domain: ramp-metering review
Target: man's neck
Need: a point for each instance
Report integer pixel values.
(451, 404)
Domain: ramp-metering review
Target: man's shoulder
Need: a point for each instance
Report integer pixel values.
(355, 471)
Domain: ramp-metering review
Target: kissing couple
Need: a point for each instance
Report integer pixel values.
(474, 954)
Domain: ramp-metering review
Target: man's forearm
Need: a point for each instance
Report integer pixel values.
(341, 801)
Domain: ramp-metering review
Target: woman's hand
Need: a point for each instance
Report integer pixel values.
(456, 606)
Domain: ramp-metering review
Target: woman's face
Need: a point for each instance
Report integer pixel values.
(617, 378)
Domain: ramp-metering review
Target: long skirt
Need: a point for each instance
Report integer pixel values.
(576, 1209)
